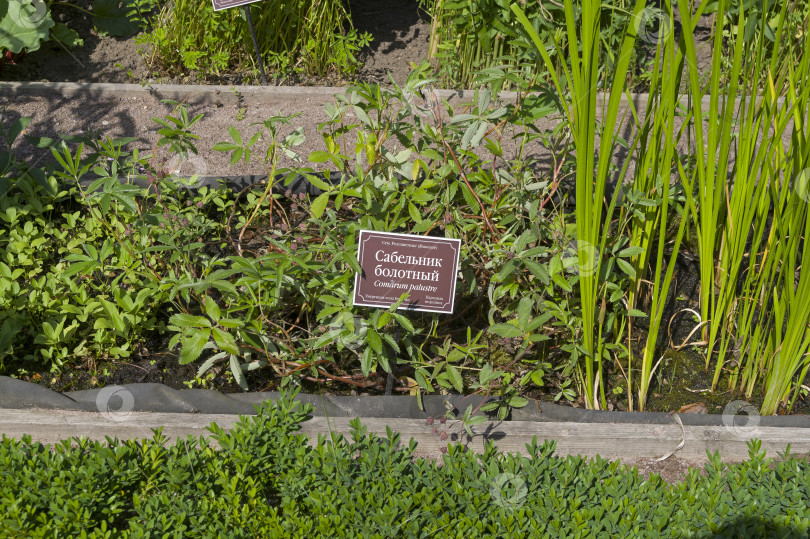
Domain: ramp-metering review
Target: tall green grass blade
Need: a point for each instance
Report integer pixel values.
(653, 178)
(592, 169)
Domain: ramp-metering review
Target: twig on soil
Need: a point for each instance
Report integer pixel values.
(686, 340)
(130, 365)
(698, 390)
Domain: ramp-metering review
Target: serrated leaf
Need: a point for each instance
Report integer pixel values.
(626, 267)
(374, 341)
(414, 213)
(422, 380)
(319, 205)
(391, 342)
(422, 226)
(327, 338)
(472, 421)
(383, 320)
(318, 182)
(225, 147)
(66, 36)
(210, 363)
(319, 156)
(631, 251)
(83, 267)
(224, 286)
(225, 340)
(235, 135)
(115, 317)
(462, 118)
(193, 346)
(230, 323)
(518, 402)
(560, 281)
(455, 378)
(524, 311)
(212, 309)
(487, 374)
(183, 320)
(366, 361)
(555, 265)
(404, 322)
(537, 270)
(506, 331)
(238, 373)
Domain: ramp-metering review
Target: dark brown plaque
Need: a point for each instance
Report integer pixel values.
(393, 264)
(225, 4)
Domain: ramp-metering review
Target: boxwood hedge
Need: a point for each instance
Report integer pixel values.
(266, 480)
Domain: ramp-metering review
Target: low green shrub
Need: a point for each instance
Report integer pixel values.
(265, 480)
(85, 272)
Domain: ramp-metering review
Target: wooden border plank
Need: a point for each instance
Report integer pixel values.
(613, 441)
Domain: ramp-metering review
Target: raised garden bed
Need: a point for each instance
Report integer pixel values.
(646, 278)
(540, 163)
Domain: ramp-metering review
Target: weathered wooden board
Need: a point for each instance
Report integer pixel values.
(624, 441)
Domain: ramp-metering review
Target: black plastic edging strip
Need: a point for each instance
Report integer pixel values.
(300, 184)
(158, 398)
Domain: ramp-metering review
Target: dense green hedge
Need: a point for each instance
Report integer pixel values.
(266, 481)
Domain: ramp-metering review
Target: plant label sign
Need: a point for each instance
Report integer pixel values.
(225, 4)
(393, 264)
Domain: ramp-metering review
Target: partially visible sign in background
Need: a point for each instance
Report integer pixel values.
(225, 4)
(392, 264)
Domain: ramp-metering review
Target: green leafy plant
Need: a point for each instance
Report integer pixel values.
(24, 24)
(306, 36)
(468, 37)
(762, 22)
